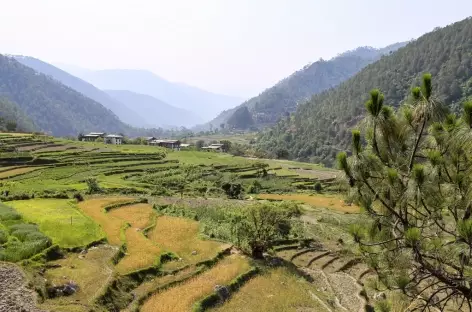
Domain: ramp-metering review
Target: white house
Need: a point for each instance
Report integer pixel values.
(113, 139)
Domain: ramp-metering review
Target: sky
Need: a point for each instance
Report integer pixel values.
(235, 47)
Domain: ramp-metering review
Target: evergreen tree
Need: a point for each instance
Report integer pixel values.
(413, 180)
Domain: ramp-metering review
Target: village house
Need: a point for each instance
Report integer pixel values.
(113, 139)
(172, 144)
(214, 147)
(92, 136)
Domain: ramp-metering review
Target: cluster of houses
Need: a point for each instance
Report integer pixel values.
(107, 138)
(171, 144)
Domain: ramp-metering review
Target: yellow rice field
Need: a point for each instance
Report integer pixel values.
(181, 236)
(112, 226)
(15, 172)
(316, 200)
(140, 251)
(276, 290)
(182, 297)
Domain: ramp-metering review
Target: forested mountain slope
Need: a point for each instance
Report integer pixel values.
(125, 114)
(153, 111)
(11, 112)
(52, 106)
(321, 127)
(283, 98)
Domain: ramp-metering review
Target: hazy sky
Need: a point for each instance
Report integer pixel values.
(236, 47)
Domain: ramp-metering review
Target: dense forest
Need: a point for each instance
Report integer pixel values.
(320, 127)
(125, 114)
(282, 99)
(11, 115)
(38, 102)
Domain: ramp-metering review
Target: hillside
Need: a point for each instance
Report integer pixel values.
(152, 111)
(202, 103)
(10, 112)
(314, 78)
(320, 128)
(50, 105)
(125, 114)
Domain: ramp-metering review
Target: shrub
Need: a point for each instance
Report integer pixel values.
(232, 190)
(79, 197)
(318, 187)
(93, 186)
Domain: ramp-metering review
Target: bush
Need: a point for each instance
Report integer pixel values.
(79, 197)
(232, 190)
(93, 186)
(255, 187)
(318, 187)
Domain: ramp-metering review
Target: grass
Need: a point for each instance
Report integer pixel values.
(92, 273)
(316, 200)
(18, 171)
(181, 236)
(182, 297)
(60, 220)
(276, 290)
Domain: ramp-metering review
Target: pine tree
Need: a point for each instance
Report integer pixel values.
(413, 180)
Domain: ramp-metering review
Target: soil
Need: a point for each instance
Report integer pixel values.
(15, 296)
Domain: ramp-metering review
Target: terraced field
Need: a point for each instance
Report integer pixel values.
(100, 224)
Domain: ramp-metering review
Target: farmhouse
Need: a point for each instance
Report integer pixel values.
(172, 144)
(214, 147)
(113, 139)
(92, 136)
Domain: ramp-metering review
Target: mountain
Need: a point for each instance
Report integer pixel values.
(320, 128)
(126, 114)
(52, 106)
(283, 98)
(204, 104)
(152, 110)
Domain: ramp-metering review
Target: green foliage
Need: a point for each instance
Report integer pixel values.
(240, 119)
(199, 144)
(383, 306)
(232, 190)
(322, 125)
(414, 181)
(251, 228)
(19, 240)
(282, 99)
(92, 185)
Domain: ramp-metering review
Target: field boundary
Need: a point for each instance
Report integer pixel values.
(214, 299)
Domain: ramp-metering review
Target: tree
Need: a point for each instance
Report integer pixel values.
(11, 125)
(226, 145)
(413, 179)
(199, 144)
(92, 185)
(258, 225)
(282, 153)
(232, 190)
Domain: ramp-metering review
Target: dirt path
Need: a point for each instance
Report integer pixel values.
(15, 296)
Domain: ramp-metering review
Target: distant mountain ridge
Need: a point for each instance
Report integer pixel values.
(283, 98)
(202, 103)
(320, 128)
(52, 106)
(153, 111)
(122, 111)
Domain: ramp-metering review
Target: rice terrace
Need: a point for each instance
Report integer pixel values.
(95, 227)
